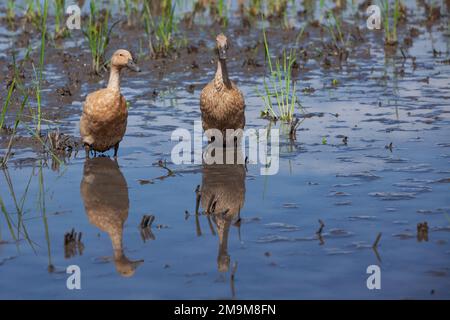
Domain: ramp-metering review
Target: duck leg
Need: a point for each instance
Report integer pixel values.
(116, 150)
(87, 148)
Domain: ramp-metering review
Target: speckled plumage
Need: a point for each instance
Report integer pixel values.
(222, 108)
(224, 185)
(221, 102)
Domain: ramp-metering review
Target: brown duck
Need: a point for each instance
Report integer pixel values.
(105, 195)
(221, 102)
(104, 119)
(222, 197)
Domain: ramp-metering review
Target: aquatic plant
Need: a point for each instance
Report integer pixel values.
(19, 205)
(390, 34)
(11, 12)
(222, 13)
(166, 27)
(277, 8)
(279, 86)
(39, 73)
(255, 7)
(15, 84)
(42, 207)
(33, 12)
(6, 104)
(98, 35)
(131, 10)
(148, 25)
(4, 159)
(163, 28)
(60, 29)
(335, 29)
(322, 9)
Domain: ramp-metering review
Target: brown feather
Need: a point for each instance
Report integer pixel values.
(224, 109)
(221, 102)
(104, 119)
(104, 192)
(223, 185)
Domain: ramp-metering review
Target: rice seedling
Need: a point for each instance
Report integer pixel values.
(11, 12)
(222, 13)
(6, 104)
(19, 205)
(148, 25)
(42, 206)
(277, 8)
(390, 34)
(335, 29)
(166, 28)
(131, 10)
(322, 9)
(33, 12)
(19, 208)
(4, 159)
(163, 28)
(279, 86)
(98, 35)
(60, 29)
(256, 7)
(8, 219)
(39, 73)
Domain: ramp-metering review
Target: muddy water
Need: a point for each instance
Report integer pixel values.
(359, 189)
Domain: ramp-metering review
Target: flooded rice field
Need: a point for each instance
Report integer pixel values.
(365, 181)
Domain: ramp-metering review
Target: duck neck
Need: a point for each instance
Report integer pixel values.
(116, 240)
(114, 79)
(222, 78)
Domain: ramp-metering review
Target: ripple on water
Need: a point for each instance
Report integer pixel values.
(284, 227)
(337, 251)
(363, 218)
(390, 196)
(337, 233)
(443, 145)
(343, 203)
(441, 228)
(346, 185)
(365, 176)
(4, 260)
(418, 168)
(412, 187)
(404, 235)
(443, 180)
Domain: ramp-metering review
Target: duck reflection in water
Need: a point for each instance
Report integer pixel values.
(105, 195)
(222, 198)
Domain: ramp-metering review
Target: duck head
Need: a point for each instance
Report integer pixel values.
(222, 46)
(123, 58)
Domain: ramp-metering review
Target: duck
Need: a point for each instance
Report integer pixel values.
(104, 191)
(222, 198)
(222, 104)
(104, 119)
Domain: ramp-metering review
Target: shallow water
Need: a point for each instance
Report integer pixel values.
(358, 190)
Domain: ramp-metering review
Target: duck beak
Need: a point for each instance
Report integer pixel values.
(222, 53)
(132, 66)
